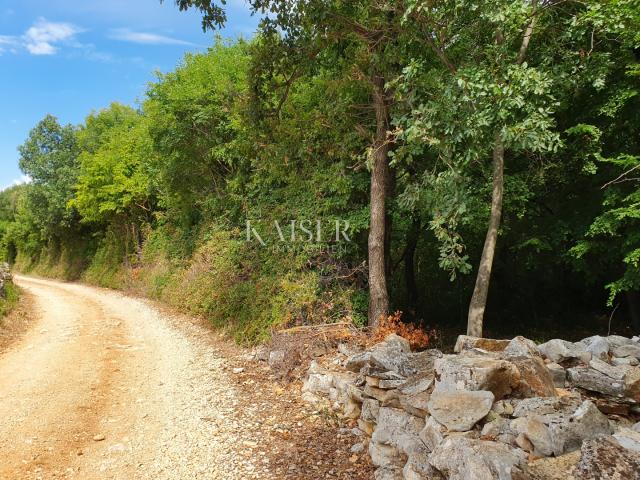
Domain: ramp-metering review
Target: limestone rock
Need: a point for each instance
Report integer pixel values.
(466, 342)
(396, 342)
(558, 374)
(617, 381)
(419, 468)
(534, 379)
(433, 433)
(370, 410)
(460, 410)
(417, 383)
(472, 372)
(276, 358)
(553, 468)
(415, 404)
(631, 361)
(629, 350)
(398, 429)
(385, 397)
(598, 346)
(604, 459)
(618, 340)
(629, 439)
(534, 429)
(463, 459)
(385, 456)
(560, 351)
(496, 428)
(521, 347)
(388, 473)
(318, 383)
(586, 422)
(568, 423)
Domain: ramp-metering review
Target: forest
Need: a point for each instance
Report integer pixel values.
(472, 165)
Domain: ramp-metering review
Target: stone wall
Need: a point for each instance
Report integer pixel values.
(495, 409)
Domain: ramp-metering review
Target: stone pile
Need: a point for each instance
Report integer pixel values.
(5, 276)
(495, 409)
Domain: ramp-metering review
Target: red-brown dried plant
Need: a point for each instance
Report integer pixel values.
(418, 337)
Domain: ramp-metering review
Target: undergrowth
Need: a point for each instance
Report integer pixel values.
(245, 291)
(10, 299)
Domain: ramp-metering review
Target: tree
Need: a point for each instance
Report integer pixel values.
(501, 80)
(114, 185)
(213, 14)
(365, 40)
(196, 125)
(368, 34)
(50, 157)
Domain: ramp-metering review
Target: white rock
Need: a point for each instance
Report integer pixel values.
(433, 433)
(629, 350)
(463, 459)
(521, 347)
(399, 430)
(534, 429)
(460, 410)
(558, 373)
(385, 455)
(473, 372)
(558, 350)
(598, 346)
(629, 439)
(631, 361)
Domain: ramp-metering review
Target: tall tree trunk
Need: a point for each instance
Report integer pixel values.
(389, 192)
(378, 295)
(481, 290)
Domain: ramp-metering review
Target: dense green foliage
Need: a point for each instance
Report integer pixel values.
(10, 299)
(190, 197)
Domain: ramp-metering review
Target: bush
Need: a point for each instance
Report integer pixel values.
(10, 298)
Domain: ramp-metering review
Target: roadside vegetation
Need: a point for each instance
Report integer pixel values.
(484, 155)
(9, 300)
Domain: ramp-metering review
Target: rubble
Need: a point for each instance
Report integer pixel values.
(498, 409)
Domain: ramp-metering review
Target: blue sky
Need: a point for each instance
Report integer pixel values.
(68, 57)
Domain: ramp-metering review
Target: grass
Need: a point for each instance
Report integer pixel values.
(10, 300)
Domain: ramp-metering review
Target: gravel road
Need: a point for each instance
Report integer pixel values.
(106, 386)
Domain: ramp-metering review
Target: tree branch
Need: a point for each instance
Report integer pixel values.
(527, 35)
(620, 177)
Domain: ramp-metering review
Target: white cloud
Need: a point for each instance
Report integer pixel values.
(7, 42)
(42, 38)
(127, 35)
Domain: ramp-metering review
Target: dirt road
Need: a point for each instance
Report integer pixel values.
(104, 386)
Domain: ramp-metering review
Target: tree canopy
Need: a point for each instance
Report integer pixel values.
(484, 155)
